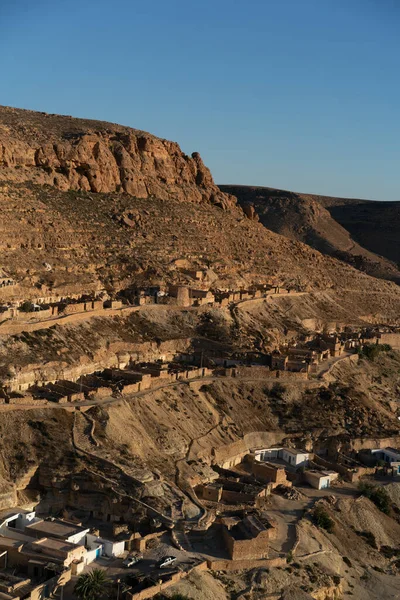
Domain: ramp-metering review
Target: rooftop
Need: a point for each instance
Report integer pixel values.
(10, 512)
(55, 528)
(6, 542)
(295, 451)
(395, 450)
(53, 544)
(319, 474)
(4, 596)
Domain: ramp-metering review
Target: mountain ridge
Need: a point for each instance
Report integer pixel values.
(311, 219)
(81, 154)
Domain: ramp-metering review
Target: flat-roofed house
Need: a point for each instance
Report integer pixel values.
(247, 539)
(59, 529)
(291, 456)
(318, 479)
(66, 552)
(391, 456)
(15, 518)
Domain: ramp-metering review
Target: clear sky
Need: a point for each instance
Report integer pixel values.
(296, 94)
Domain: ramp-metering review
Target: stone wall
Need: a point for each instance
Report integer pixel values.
(393, 339)
(259, 372)
(229, 455)
(232, 497)
(156, 589)
(348, 474)
(246, 549)
(116, 356)
(39, 315)
(239, 565)
(267, 472)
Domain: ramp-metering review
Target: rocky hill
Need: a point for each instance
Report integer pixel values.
(91, 240)
(95, 156)
(375, 225)
(360, 232)
(106, 205)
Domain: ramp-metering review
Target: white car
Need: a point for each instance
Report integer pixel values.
(131, 560)
(166, 561)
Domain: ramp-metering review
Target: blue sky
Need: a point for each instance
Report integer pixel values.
(296, 94)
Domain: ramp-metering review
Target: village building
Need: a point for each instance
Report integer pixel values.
(247, 538)
(6, 281)
(268, 472)
(26, 537)
(292, 359)
(185, 296)
(389, 456)
(57, 528)
(290, 456)
(232, 491)
(42, 580)
(320, 479)
(330, 342)
(196, 274)
(60, 392)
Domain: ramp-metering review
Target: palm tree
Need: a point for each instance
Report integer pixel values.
(90, 586)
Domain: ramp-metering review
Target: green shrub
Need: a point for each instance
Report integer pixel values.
(378, 495)
(26, 307)
(369, 536)
(277, 391)
(372, 351)
(322, 519)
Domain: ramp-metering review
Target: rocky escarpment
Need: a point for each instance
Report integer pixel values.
(304, 217)
(96, 156)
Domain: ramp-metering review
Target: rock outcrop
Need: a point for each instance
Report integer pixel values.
(95, 156)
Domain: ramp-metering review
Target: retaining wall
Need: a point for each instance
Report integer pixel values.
(156, 589)
(264, 373)
(348, 473)
(229, 455)
(393, 339)
(239, 565)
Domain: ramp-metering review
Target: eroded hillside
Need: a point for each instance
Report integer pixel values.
(94, 240)
(358, 232)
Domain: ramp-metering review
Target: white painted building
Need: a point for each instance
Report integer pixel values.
(19, 524)
(109, 548)
(59, 529)
(391, 456)
(16, 518)
(292, 456)
(320, 479)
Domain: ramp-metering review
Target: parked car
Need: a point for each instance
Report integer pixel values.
(166, 561)
(131, 560)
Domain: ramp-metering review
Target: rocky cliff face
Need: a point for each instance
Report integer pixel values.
(95, 156)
